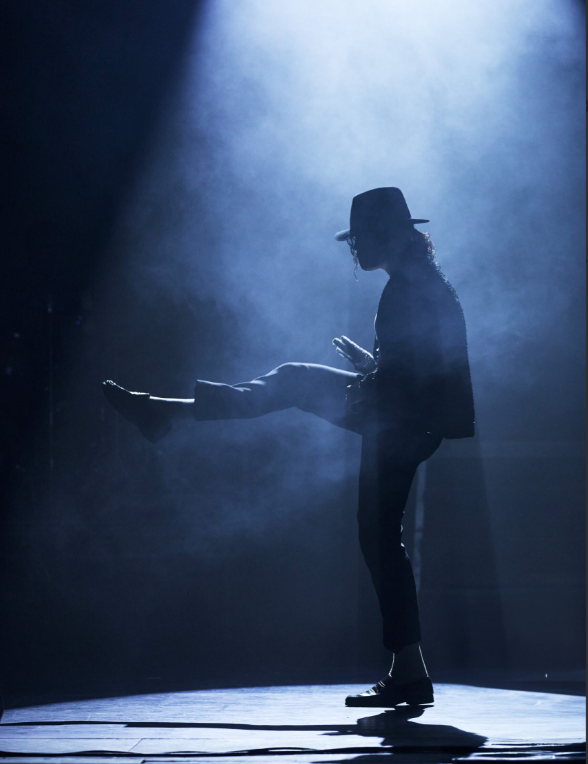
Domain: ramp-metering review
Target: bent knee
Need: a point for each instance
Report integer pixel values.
(294, 371)
(292, 367)
(295, 378)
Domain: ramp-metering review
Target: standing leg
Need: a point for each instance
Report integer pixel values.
(389, 463)
(383, 492)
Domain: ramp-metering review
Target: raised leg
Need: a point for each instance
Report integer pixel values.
(318, 389)
(314, 388)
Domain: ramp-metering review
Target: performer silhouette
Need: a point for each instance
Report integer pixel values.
(404, 398)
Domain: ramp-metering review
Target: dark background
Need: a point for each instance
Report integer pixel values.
(141, 244)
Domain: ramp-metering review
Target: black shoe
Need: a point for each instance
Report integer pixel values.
(135, 408)
(386, 694)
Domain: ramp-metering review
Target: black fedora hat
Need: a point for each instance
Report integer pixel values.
(382, 210)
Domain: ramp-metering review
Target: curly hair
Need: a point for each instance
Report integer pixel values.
(351, 242)
(422, 250)
(423, 247)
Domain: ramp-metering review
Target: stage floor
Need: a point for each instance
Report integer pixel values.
(298, 724)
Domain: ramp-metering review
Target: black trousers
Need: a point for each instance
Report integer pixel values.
(389, 460)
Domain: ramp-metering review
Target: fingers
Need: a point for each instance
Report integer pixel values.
(341, 350)
(349, 343)
(344, 342)
(344, 355)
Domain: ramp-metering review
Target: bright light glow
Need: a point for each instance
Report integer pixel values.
(289, 109)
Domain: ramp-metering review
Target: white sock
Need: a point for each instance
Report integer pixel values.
(408, 665)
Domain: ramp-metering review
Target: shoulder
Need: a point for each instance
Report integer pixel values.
(441, 289)
(394, 292)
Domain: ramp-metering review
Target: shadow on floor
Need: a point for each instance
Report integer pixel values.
(394, 727)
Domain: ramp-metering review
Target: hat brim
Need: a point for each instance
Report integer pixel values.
(344, 235)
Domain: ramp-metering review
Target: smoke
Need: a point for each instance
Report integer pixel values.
(288, 110)
(223, 266)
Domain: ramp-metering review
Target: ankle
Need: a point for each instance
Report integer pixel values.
(175, 409)
(408, 665)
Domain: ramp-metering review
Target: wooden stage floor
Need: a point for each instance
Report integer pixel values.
(296, 725)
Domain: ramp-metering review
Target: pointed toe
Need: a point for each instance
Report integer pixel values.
(134, 407)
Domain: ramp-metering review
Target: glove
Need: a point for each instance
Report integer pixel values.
(362, 361)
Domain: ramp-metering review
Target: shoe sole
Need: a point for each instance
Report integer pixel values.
(378, 702)
(153, 430)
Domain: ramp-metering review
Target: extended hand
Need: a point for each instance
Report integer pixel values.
(361, 360)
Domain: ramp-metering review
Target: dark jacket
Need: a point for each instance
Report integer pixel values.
(422, 381)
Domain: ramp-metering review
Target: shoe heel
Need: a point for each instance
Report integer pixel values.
(421, 693)
(422, 702)
(155, 433)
